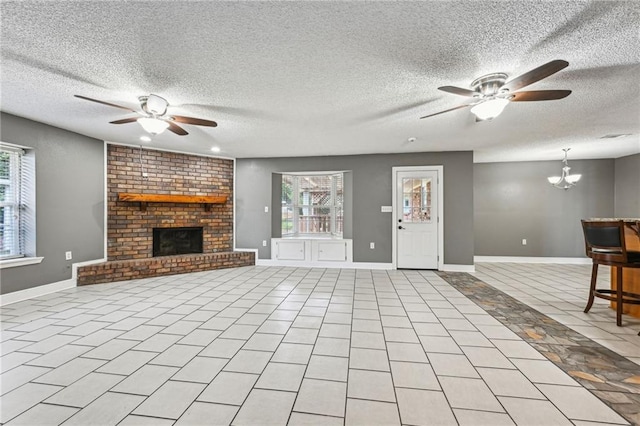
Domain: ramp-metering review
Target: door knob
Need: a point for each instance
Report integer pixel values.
(400, 227)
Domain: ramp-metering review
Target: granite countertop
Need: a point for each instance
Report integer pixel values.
(626, 219)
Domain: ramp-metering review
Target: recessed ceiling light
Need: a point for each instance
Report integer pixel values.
(215, 149)
(615, 136)
(145, 138)
(411, 140)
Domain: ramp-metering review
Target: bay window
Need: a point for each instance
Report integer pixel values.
(312, 204)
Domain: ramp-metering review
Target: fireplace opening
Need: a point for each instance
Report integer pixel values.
(171, 241)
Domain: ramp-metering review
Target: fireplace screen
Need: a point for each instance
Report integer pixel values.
(170, 241)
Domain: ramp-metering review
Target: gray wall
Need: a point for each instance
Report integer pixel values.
(627, 187)
(514, 201)
(371, 188)
(69, 200)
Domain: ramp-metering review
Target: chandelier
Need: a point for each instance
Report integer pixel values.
(566, 180)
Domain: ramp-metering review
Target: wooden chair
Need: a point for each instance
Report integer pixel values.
(605, 245)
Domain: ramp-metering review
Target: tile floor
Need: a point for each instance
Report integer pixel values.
(560, 292)
(278, 346)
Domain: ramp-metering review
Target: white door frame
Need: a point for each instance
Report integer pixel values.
(440, 185)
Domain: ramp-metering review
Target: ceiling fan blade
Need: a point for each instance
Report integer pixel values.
(458, 91)
(446, 110)
(104, 103)
(539, 95)
(177, 129)
(194, 121)
(536, 74)
(125, 120)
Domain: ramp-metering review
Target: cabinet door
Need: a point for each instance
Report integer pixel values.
(290, 250)
(332, 251)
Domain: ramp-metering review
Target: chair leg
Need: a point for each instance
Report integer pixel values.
(619, 296)
(594, 278)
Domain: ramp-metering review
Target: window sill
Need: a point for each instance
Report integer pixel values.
(312, 237)
(22, 261)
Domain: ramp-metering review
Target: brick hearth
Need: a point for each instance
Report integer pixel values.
(130, 228)
(121, 270)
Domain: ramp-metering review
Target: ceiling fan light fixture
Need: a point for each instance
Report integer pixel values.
(156, 105)
(153, 125)
(490, 109)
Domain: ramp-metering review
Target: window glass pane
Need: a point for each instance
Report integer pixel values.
(315, 190)
(287, 189)
(10, 235)
(7, 231)
(287, 206)
(416, 200)
(339, 220)
(5, 161)
(314, 220)
(287, 220)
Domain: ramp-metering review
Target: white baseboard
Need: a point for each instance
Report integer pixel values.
(371, 265)
(352, 265)
(458, 268)
(517, 259)
(41, 290)
(329, 265)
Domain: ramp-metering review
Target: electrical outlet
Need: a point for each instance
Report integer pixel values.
(372, 246)
(68, 255)
(266, 209)
(524, 241)
(264, 243)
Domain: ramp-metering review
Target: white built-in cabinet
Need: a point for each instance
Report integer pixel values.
(312, 250)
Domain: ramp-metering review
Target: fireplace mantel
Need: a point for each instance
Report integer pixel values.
(143, 199)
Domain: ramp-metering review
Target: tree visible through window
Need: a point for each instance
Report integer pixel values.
(11, 241)
(312, 204)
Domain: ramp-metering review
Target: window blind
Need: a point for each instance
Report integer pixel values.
(12, 235)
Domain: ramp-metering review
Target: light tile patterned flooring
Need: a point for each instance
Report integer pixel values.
(277, 346)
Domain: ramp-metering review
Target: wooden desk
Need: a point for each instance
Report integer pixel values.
(630, 276)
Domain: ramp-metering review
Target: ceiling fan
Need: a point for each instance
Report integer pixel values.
(492, 92)
(153, 117)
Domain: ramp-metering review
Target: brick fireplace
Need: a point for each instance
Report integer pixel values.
(131, 224)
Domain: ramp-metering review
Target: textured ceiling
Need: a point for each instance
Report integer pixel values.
(324, 78)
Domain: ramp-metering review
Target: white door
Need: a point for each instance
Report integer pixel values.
(417, 219)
